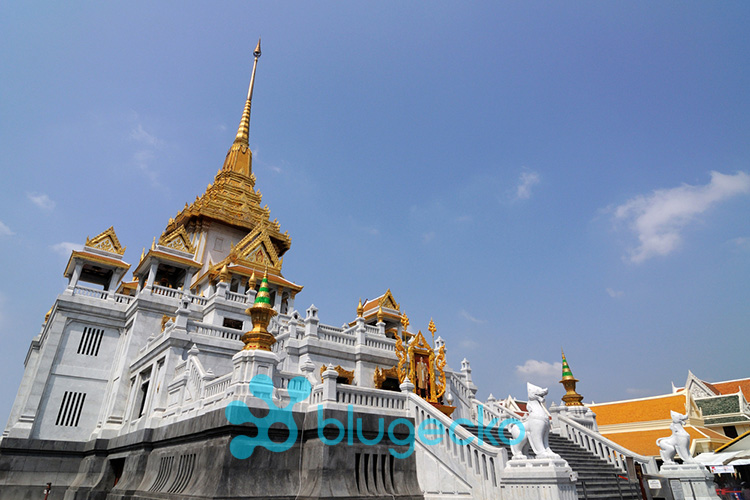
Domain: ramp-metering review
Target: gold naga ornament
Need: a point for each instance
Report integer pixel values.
(418, 362)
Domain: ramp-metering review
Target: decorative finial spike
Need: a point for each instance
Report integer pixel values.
(380, 313)
(360, 309)
(243, 131)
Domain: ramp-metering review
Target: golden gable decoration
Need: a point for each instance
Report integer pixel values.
(106, 241)
(177, 240)
(346, 374)
(381, 375)
(389, 302)
(257, 250)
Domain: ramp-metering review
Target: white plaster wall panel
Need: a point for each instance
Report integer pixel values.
(47, 426)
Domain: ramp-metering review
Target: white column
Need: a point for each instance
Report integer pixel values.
(152, 274)
(76, 275)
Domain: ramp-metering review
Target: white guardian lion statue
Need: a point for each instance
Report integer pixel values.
(536, 426)
(678, 442)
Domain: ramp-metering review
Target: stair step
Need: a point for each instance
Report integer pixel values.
(597, 479)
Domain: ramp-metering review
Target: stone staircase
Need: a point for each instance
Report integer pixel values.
(597, 479)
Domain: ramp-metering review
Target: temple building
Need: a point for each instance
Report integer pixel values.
(717, 413)
(200, 375)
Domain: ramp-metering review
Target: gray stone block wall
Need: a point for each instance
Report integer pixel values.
(192, 459)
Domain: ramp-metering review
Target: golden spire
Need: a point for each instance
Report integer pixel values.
(360, 309)
(240, 158)
(571, 397)
(251, 283)
(380, 314)
(243, 131)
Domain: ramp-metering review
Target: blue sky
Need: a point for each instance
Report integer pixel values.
(530, 175)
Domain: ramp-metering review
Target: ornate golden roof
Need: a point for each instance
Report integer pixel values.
(106, 241)
(232, 198)
(178, 239)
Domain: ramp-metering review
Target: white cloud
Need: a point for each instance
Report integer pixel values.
(525, 183)
(140, 135)
(539, 372)
(740, 243)
(658, 218)
(5, 230)
(428, 237)
(64, 248)
(144, 156)
(615, 294)
(41, 200)
(471, 318)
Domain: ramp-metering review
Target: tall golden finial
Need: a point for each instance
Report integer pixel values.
(153, 243)
(431, 327)
(143, 254)
(380, 313)
(251, 282)
(360, 309)
(571, 397)
(243, 131)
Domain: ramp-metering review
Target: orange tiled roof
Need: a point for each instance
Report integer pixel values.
(639, 410)
(644, 442)
(732, 386)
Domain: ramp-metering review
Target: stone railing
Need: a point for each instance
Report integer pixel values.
(448, 467)
(337, 337)
(218, 385)
(172, 293)
(380, 342)
(123, 299)
(372, 329)
(329, 329)
(90, 292)
(200, 301)
(237, 297)
(373, 398)
(602, 447)
(223, 332)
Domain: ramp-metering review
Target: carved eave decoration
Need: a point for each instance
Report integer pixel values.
(94, 259)
(235, 270)
(231, 199)
(161, 256)
(178, 240)
(381, 375)
(257, 250)
(348, 375)
(106, 242)
(391, 310)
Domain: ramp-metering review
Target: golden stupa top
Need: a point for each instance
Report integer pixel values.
(232, 198)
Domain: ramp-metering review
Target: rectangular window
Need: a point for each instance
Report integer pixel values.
(71, 408)
(91, 341)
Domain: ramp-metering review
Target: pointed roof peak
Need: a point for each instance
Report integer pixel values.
(243, 131)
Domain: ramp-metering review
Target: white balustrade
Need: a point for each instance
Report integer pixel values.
(602, 447)
(470, 466)
(195, 327)
(380, 342)
(237, 297)
(336, 337)
(166, 291)
(373, 398)
(90, 292)
(218, 386)
(123, 299)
